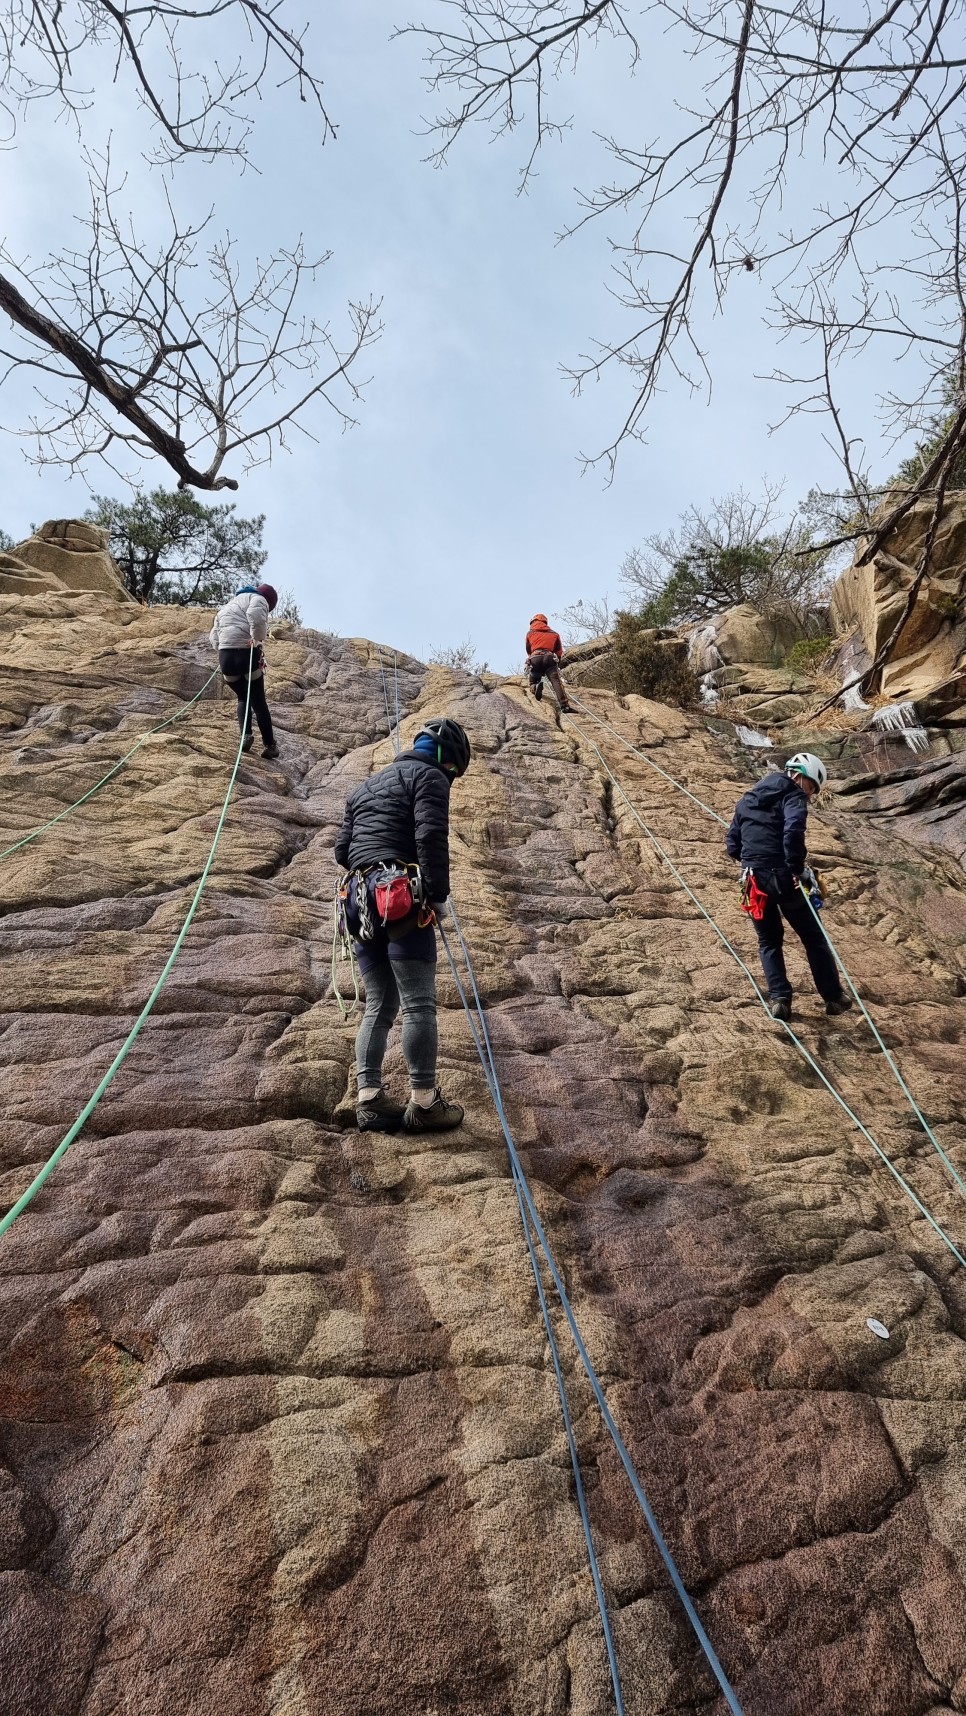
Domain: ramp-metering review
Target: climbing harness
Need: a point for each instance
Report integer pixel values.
(36, 832)
(803, 1051)
(531, 1221)
(45, 1172)
(815, 908)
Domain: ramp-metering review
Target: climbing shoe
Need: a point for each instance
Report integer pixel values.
(565, 709)
(841, 1004)
(379, 1114)
(538, 690)
(248, 741)
(439, 1116)
(270, 750)
(781, 1010)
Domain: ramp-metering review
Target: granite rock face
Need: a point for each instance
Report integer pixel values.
(63, 555)
(928, 661)
(279, 1434)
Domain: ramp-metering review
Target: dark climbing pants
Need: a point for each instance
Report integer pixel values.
(787, 903)
(410, 983)
(234, 664)
(543, 661)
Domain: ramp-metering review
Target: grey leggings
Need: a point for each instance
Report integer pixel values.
(411, 982)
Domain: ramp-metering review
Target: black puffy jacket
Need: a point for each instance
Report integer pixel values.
(768, 827)
(402, 813)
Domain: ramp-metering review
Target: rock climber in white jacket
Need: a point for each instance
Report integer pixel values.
(238, 633)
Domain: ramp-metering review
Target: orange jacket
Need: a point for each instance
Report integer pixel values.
(541, 637)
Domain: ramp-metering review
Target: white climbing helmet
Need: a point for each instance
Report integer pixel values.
(806, 763)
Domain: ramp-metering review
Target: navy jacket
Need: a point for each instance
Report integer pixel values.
(403, 813)
(768, 827)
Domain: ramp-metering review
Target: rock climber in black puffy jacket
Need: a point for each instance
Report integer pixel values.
(767, 836)
(401, 816)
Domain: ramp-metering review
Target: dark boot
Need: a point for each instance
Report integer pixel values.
(379, 1114)
(538, 690)
(248, 741)
(841, 1004)
(781, 1009)
(440, 1116)
(271, 750)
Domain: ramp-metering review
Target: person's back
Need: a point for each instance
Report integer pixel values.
(400, 817)
(544, 650)
(239, 630)
(768, 827)
(401, 813)
(542, 637)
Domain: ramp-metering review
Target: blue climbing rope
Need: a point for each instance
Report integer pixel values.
(45, 1172)
(485, 1051)
(800, 1046)
(592, 1377)
(36, 832)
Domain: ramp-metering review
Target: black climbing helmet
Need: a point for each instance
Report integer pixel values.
(452, 744)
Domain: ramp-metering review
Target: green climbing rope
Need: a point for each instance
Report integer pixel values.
(40, 1179)
(36, 832)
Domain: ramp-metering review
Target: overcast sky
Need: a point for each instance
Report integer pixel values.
(458, 505)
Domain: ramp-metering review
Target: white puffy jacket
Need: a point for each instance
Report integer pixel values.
(241, 621)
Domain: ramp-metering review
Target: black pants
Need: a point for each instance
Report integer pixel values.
(786, 902)
(234, 664)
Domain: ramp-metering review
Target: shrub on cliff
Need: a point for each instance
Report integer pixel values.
(172, 548)
(651, 665)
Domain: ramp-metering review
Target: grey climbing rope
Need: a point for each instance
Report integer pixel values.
(800, 1046)
(36, 832)
(893, 1064)
(45, 1172)
(526, 1198)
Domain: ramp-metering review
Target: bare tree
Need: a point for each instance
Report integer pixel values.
(590, 619)
(818, 152)
(738, 549)
(173, 350)
(61, 49)
(151, 352)
(825, 152)
(461, 656)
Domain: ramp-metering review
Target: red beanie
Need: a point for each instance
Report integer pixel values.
(269, 592)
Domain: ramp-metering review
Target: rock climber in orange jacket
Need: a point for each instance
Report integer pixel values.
(544, 651)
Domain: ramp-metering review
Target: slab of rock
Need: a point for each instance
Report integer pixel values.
(930, 652)
(61, 556)
(280, 1431)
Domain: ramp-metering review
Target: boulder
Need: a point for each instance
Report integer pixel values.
(868, 600)
(742, 634)
(62, 555)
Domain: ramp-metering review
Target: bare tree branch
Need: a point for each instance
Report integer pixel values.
(151, 351)
(199, 106)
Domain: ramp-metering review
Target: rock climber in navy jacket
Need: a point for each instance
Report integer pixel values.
(401, 816)
(767, 836)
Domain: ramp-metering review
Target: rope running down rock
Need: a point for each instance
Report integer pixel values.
(525, 1199)
(45, 1172)
(112, 771)
(800, 1046)
(907, 1093)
